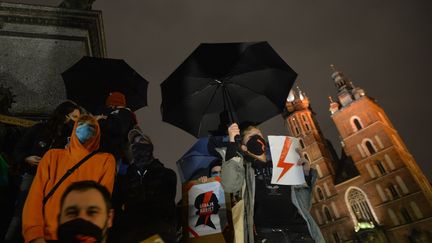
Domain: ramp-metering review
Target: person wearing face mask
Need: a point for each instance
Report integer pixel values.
(118, 121)
(272, 213)
(29, 150)
(147, 195)
(85, 213)
(40, 212)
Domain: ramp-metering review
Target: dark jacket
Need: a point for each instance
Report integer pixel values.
(37, 140)
(148, 201)
(115, 129)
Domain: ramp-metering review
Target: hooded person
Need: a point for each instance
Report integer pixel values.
(40, 220)
(119, 120)
(147, 195)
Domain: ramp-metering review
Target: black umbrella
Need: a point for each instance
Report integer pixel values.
(89, 82)
(218, 84)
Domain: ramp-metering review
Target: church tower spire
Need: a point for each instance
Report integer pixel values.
(346, 91)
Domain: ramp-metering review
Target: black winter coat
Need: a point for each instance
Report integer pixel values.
(37, 140)
(148, 199)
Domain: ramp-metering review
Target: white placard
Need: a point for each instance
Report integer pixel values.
(285, 158)
(206, 209)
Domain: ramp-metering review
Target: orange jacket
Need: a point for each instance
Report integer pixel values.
(40, 221)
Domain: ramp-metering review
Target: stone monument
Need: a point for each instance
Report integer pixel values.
(38, 43)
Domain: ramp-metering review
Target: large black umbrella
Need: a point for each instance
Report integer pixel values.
(218, 84)
(89, 82)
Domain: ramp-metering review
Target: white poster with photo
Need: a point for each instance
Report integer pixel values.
(285, 158)
(207, 209)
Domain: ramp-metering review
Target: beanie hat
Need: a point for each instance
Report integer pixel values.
(116, 99)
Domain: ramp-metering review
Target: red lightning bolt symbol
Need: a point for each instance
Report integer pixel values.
(281, 164)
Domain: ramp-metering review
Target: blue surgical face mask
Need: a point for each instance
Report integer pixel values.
(84, 132)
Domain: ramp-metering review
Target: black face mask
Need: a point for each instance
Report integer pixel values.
(142, 154)
(256, 145)
(79, 230)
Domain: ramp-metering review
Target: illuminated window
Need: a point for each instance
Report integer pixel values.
(320, 194)
(302, 143)
(327, 214)
(406, 216)
(357, 124)
(306, 156)
(394, 190)
(359, 206)
(370, 147)
(380, 166)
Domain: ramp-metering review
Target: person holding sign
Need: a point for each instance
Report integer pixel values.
(273, 212)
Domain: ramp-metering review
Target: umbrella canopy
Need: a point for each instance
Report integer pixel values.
(89, 82)
(198, 158)
(218, 84)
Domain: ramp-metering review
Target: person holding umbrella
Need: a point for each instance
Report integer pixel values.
(239, 84)
(278, 213)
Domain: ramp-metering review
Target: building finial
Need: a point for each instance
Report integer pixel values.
(330, 99)
(333, 67)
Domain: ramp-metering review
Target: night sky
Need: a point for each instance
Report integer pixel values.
(383, 46)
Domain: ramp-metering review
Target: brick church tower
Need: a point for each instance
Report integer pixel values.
(375, 190)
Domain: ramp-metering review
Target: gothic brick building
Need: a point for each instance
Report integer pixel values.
(374, 191)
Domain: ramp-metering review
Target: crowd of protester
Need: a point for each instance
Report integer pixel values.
(94, 178)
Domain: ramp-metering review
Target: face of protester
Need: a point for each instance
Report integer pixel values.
(85, 131)
(215, 171)
(253, 142)
(88, 205)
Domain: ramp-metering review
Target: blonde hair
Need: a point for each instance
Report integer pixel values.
(87, 119)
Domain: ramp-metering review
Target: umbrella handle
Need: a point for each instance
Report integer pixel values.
(228, 106)
(238, 139)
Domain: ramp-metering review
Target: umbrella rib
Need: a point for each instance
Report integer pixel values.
(192, 94)
(198, 91)
(252, 91)
(202, 115)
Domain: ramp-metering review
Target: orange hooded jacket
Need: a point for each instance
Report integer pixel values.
(41, 221)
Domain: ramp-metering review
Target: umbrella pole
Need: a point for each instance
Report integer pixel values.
(229, 107)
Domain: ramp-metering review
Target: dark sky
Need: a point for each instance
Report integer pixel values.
(383, 46)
